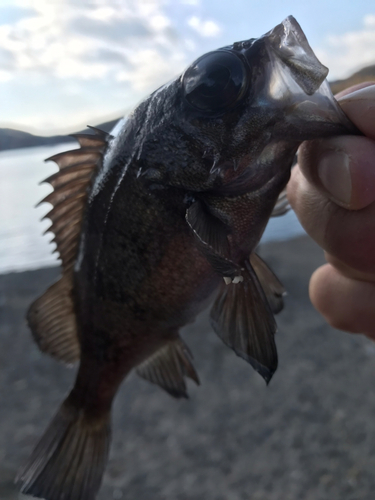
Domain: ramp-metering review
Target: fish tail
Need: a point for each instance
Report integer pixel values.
(69, 460)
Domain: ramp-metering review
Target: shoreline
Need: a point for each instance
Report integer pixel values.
(308, 435)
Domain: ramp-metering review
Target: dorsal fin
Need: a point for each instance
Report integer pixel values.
(51, 317)
(71, 183)
(168, 368)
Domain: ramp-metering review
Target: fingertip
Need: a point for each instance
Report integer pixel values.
(359, 106)
(346, 304)
(320, 290)
(343, 168)
(330, 299)
(348, 271)
(308, 156)
(353, 88)
(326, 165)
(308, 204)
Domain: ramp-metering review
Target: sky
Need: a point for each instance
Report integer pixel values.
(68, 63)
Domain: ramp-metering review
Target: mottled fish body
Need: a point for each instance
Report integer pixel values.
(152, 223)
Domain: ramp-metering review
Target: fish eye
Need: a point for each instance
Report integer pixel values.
(215, 82)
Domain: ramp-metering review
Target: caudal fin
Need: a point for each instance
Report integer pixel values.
(69, 461)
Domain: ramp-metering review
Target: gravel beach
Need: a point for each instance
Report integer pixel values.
(309, 435)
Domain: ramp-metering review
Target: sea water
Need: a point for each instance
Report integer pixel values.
(22, 243)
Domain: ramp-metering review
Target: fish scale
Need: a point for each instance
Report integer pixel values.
(158, 222)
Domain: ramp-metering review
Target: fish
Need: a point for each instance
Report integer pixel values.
(160, 220)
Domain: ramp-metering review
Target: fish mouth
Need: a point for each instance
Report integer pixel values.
(288, 44)
(295, 82)
(320, 114)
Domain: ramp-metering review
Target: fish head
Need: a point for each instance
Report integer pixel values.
(248, 106)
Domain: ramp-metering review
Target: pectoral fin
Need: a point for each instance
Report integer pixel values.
(242, 318)
(168, 368)
(211, 237)
(273, 289)
(282, 205)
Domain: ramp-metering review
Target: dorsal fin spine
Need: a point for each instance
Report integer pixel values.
(71, 184)
(60, 223)
(83, 172)
(101, 133)
(52, 316)
(57, 211)
(52, 198)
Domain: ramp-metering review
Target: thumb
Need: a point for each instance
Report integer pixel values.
(359, 106)
(343, 168)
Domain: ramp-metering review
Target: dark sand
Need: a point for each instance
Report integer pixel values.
(310, 435)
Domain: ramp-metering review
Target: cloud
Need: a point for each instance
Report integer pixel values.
(7, 59)
(204, 28)
(107, 54)
(117, 30)
(159, 22)
(149, 69)
(5, 76)
(369, 21)
(344, 54)
(112, 53)
(10, 14)
(87, 43)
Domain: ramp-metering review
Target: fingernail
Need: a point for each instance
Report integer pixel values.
(334, 173)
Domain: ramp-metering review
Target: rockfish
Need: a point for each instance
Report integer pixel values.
(154, 223)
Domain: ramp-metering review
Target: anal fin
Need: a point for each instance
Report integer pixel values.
(242, 318)
(272, 287)
(52, 321)
(168, 368)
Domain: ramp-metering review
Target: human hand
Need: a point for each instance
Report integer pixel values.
(332, 191)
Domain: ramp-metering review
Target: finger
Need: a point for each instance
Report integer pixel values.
(359, 106)
(343, 167)
(345, 303)
(353, 88)
(348, 271)
(348, 235)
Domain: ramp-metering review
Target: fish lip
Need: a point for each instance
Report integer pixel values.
(289, 44)
(288, 41)
(320, 108)
(295, 82)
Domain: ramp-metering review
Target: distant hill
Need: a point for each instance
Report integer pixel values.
(364, 75)
(12, 139)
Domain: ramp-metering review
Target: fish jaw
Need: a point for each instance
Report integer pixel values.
(289, 44)
(294, 81)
